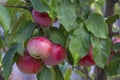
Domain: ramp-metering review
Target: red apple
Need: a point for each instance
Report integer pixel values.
(87, 60)
(58, 55)
(28, 64)
(42, 18)
(39, 47)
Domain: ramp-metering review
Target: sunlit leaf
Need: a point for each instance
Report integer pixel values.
(100, 51)
(79, 43)
(96, 24)
(67, 15)
(4, 18)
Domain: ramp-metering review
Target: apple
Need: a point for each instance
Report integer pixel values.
(39, 47)
(58, 55)
(28, 64)
(87, 60)
(42, 18)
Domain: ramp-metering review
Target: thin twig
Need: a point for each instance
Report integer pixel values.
(23, 7)
(78, 68)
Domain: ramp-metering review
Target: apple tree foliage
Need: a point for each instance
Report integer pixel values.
(81, 24)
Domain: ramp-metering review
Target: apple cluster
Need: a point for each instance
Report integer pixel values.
(40, 51)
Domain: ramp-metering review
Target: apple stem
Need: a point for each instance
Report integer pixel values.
(84, 72)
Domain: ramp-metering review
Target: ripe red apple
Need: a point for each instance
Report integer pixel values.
(87, 60)
(58, 55)
(42, 18)
(28, 64)
(39, 47)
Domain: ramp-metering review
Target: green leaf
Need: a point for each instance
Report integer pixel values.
(67, 15)
(17, 20)
(101, 51)
(44, 74)
(17, 15)
(53, 5)
(0, 56)
(1, 43)
(69, 57)
(41, 5)
(4, 18)
(79, 43)
(96, 50)
(8, 61)
(57, 73)
(57, 36)
(113, 67)
(24, 31)
(20, 48)
(116, 46)
(96, 24)
(112, 19)
(68, 74)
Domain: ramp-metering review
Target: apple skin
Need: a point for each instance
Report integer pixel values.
(28, 64)
(42, 18)
(39, 47)
(87, 60)
(58, 55)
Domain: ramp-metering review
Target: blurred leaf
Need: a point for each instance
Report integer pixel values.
(24, 31)
(53, 6)
(41, 5)
(101, 51)
(67, 15)
(8, 61)
(116, 56)
(112, 19)
(4, 18)
(79, 43)
(97, 25)
(116, 46)
(0, 58)
(58, 74)
(113, 67)
(57, 36)
(1, 43)
(44, 74)
(67, 74)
